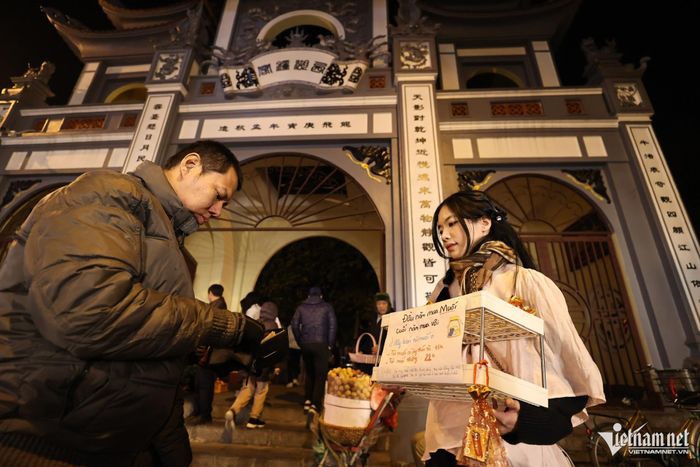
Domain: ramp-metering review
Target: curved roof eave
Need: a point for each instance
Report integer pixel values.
(479, 13)
(131, 18)
(540, 22)
(93, 45)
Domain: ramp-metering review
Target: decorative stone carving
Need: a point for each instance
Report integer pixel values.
(334, 75)
(245, 79)
(606, 62)
(376, 160)
(63, 18)
(628, 95)
(43, 74)
(591, 180)
(168, 66)
(346, 50)
(410, 20)
(34, 79)
(415, 55)
(191, 31)
(473, 179)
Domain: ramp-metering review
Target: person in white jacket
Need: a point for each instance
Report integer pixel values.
(485, 253)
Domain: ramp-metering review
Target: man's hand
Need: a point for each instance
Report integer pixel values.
(507, 418)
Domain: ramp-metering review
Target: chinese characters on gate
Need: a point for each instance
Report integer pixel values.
(673, 219)
(288, 125)
(149, 131)
(317, 67)
(424, 186)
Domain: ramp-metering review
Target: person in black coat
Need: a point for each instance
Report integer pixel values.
(382, 303)
(205, 376)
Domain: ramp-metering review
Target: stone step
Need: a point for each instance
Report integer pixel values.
(235, 455)
(244, 455)
(278, 406)
(271, 435)
(284, 441)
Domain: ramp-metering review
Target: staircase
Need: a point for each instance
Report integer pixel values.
(283, 442)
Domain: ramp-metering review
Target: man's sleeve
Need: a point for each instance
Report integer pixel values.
(333, 328)
(296, 330)
(84, 268)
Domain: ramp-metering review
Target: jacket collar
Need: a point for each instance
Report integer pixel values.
(153, 178)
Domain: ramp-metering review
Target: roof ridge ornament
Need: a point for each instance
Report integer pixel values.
(410, 20)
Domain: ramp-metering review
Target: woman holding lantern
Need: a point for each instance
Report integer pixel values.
(486, 253)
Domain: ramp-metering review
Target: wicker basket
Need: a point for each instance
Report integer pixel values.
(345, 436)
(358, 357)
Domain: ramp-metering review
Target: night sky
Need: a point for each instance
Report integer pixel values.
(664, 31)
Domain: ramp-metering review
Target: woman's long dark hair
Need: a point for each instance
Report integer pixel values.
(474, 205)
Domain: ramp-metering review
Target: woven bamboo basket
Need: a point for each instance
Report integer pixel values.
(345, 436)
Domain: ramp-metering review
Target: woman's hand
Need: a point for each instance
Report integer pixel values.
(507, 418)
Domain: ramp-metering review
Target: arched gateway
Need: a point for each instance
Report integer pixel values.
(286, 198)
(570, 242)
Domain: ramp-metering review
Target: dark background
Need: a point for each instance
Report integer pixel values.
(664, 31)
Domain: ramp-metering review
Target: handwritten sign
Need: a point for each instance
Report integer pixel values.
(424, 344)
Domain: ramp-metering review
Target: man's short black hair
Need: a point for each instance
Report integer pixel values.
(214, 156)
(216, 290)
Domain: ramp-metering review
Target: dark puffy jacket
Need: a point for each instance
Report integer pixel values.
(96, 314)
(314, 322)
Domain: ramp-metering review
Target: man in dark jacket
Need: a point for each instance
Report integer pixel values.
(97, 313)
(314, 326)
(205, 376)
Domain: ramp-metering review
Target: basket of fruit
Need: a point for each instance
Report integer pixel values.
(346, 408)
(359, 357)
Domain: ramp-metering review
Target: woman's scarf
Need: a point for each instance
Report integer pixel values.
(481, 443)
(475, 270)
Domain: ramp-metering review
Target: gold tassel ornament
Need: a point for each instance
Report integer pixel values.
(482, 444)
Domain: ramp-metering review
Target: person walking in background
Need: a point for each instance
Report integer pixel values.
(205, 377)
(256, 387)
(250, 305)
(314, 325)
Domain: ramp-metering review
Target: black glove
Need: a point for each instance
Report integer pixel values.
(249, 336)
(270, 352)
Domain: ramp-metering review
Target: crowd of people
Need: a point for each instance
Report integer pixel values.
(98, 320)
